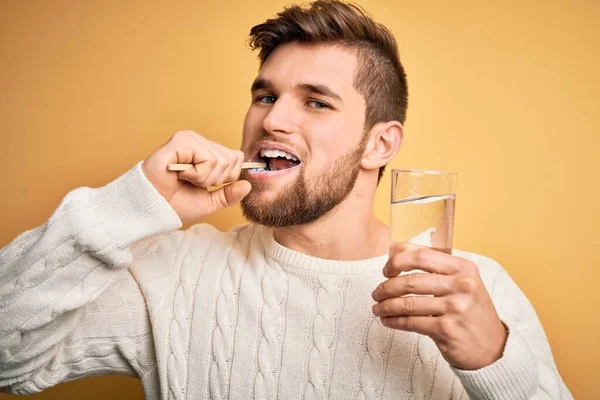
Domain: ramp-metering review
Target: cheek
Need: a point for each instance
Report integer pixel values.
(252, 127)
(332, 139)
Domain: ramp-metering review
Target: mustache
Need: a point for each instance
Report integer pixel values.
(273, 138)
(276, 139)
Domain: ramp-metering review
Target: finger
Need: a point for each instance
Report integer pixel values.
(216, 174)
(411, 305)
(190, 147)
(237, 169)
(424, 258)
(232, 159)
(229, 195)
(419, 324)
(402, 247)
(435, 284)
(199, 174)
(236, 158)
(227, 159)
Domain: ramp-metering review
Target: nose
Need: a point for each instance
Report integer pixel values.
(280, 117)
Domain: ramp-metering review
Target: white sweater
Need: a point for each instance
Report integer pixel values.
(110, 285)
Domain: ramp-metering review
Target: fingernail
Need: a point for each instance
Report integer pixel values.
(374, 295)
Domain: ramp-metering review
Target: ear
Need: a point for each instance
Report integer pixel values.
(385, 140)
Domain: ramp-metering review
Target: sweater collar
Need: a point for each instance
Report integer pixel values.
(293, 259)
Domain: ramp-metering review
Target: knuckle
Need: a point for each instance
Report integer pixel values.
(397, 247)
(409, 322)
(383, 290)
(410, 304)
(466, 284)
(470, 267)
(212, 163)
(446, 327)
(384, 308)
(457, 305)
(197, 177)
(421, 256)
(223, 164)
(184, 134)
(411, 282)
(203, 173)
(233, 176)
(392, 268)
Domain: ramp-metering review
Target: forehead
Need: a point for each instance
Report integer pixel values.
(293, 63)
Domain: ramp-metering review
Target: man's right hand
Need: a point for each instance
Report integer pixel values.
(187, 191)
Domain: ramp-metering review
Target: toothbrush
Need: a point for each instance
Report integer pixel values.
(185, 167)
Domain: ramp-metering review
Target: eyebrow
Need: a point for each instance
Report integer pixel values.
(259, 84)
(319, 89)
(323, 90)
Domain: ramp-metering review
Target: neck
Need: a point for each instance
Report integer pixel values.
(349, 232)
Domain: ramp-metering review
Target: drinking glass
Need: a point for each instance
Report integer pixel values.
(422, 207)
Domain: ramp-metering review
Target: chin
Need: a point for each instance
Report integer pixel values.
(265, 194)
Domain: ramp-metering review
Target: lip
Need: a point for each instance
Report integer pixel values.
(267, 145)
(264, 176)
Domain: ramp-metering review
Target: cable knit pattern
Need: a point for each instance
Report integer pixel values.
(179, 330)
(373, 361)
(328, 300)
(110, 285)
(226, 311)
(271, 326)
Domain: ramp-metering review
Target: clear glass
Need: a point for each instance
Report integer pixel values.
(422, 207)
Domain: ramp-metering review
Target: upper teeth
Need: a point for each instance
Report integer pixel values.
(277, 153)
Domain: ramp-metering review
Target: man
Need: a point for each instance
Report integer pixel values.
(303, 303)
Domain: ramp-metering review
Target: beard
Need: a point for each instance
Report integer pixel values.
(305, 200)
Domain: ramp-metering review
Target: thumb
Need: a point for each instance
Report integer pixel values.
(229, 195)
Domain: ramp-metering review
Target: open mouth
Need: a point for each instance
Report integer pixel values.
(276, 160)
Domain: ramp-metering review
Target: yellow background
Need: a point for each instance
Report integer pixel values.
(505, 93)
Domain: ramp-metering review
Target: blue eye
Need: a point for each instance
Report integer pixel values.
(266, 99)
(318, 105)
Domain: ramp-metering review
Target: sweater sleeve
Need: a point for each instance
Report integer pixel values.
(526, 369)
(69, 307)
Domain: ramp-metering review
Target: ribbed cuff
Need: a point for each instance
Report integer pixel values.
(514, 376)
(130, 208)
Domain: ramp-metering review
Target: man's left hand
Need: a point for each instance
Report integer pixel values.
(458, 314)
